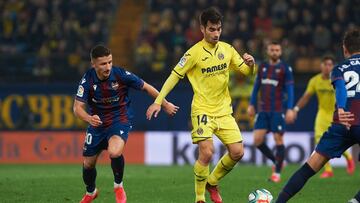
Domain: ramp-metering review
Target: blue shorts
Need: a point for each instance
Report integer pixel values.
(337, 139)
(96, 139)
(271, 121)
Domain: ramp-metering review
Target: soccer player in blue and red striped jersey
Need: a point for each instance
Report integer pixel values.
(345, 129)
(104, 90)
(274, 80)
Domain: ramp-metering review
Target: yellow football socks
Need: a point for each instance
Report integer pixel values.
(347, 155)
(223, 167)
(201, 174)
(328, 167)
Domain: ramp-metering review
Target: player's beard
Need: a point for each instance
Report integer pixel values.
(106, 73)
(274, 58)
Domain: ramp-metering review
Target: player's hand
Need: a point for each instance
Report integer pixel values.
(95, 120)
(295, 115)
(249, 60)
(170, 108)
(153, 109)
(345, 117)
(290, 116)
(251, 110)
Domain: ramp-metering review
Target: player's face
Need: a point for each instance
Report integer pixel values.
(327, 66)
(274, 51)
(102, 66)
(211, 32)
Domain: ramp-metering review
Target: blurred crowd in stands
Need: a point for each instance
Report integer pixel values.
(308, 29)
(49, 40)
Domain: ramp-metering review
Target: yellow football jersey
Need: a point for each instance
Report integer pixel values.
(207, 68)
(325, 94)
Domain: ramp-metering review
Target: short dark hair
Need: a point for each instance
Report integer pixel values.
(274, 43)
(328, 57)
(210, 14)
(99, 51)
(352, 41)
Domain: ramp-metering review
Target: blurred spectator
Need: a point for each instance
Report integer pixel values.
(51, 36)
(307, 28)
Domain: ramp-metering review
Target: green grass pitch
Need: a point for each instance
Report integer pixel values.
(160, 184)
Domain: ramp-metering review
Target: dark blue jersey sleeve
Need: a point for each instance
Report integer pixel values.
(83, 89)
(338, 82)
(336, 74)
(340, 93)
(289, 83)
(133, 80)
(290, 94)
(254, 94)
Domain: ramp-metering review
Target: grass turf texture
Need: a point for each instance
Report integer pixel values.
(158, 184)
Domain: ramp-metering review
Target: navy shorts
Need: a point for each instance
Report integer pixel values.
(271, 121)
(337, 139)
(96, 139)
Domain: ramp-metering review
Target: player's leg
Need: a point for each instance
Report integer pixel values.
(118, 136)
(226, 163)
(261, 127)
(93, 146)
(350, 169)
(229, 133)
(328, 171)
(301, 176)
(115, 149)
(201, 168)
(89, 177)
(321, 126)
(279, 156)
(332, 144)
(202, 135)
(277, 126)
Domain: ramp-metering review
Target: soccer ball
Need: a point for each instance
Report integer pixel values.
(260, 196)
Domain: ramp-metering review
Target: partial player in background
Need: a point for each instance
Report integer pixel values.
(104, 90)
(345, 129)
(207, 65)
(320, 85)
(274, 80)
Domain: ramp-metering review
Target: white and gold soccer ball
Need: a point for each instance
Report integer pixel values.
(260, 196)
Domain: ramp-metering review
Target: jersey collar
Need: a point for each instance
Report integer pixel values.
(207, 45)
(111, 76)
(355, 56)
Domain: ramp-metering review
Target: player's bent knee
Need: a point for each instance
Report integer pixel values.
(205, 156)
(237, 154)
(115, 153)
(89, 164)
(258, 141)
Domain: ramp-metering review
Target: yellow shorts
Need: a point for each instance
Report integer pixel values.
(224, 127)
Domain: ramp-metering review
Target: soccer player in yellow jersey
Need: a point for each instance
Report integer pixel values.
(320, 85)
(207, 65)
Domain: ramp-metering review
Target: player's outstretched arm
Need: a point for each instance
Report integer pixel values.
(79, 111)
(305, 98)
(169, 107)
(155, 108)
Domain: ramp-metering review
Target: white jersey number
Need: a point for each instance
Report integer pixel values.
(352, 79)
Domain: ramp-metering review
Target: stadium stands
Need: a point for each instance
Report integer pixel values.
(43, 40)
(308, 29)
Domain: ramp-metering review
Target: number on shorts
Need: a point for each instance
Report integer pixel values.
(88, 138)
(203, 119)
(352, 79)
